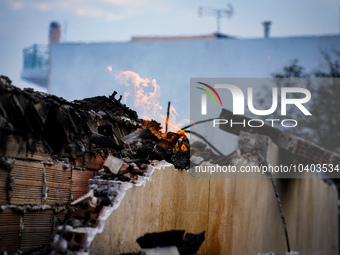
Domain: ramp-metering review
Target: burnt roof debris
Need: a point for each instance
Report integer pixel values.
(59, 123)
(67, 130)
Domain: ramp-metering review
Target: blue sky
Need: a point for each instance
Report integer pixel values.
(26, 22)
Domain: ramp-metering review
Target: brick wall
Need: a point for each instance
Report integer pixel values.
(35, 196)
(47, 156)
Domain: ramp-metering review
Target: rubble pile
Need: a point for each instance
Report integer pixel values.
(65, 167)
(51, 150)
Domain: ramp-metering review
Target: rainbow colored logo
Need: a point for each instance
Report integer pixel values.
(209, 93)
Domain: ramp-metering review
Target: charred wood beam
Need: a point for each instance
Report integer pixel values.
(205, 140)
(104, 141)
(167, 118)
(198, 122)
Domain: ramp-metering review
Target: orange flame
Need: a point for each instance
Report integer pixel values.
(146, 93)
(183, 148)
(146, 101)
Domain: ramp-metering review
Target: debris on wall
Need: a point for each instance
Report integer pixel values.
(49, 150)
(65, 167)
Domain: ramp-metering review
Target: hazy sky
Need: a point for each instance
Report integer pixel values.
(26, 22)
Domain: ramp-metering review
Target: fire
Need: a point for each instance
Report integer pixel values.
(145, 93)
(183, 148)
(172, 122)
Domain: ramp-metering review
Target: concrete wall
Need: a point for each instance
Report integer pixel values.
(79, 70)
(240, 216)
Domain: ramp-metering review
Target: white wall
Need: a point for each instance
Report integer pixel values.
(79, 70)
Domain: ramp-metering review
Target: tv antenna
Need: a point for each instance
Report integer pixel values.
(218, 13)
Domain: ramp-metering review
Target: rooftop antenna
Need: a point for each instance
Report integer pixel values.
(266, 26)
(218, 13)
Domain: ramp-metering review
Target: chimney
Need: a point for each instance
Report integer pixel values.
(54, 35)
(266, 27)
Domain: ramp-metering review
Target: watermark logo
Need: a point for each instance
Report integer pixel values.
(246, 114)
(239, 99)
(204, 97)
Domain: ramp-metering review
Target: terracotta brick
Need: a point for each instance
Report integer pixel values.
(58, 180)
(9, 230)
(93, 161)
(80, 181)
(75, 240)
(37, 230)
(3, 186)
(28, 180)
(59, 218)
(79, 160)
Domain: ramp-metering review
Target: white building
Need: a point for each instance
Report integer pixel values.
(80, 70)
